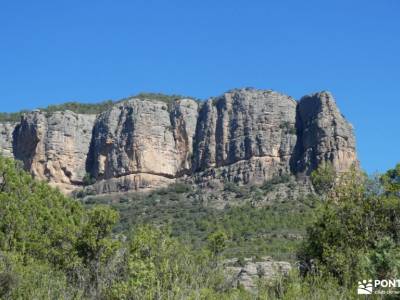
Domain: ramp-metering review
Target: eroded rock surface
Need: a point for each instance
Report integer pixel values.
(6, 133)
(243, 136)
(253, 273)
(54, 147)
(323, 134)
(143, 138)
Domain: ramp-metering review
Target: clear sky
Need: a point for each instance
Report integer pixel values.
(57, 51)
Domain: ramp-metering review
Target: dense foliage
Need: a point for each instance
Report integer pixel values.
(356, 235)
(48, 242)
(36, 221)
(52, 247)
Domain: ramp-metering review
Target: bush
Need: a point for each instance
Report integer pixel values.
(288, 127)
(156, 266)
(180, 188)
(323, 178)
(268, 185)
(355, 234)
(88, 179)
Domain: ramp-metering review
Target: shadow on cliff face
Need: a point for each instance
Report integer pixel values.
(296, 164)
(304, 159)
(25, 140)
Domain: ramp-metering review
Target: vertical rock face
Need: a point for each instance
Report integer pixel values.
(247, 135)
(54, 147)
(148, 138)
(324, 135)
(6, 132)
(183, 118)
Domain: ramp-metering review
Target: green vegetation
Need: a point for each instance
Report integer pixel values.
(11, 117)
(170, 245)
(323, 179)
(356, 233)
(80, 108)
(158, 267)
(34, 219)
(288, 127)
(269, 185)
(42, 238)
(91, 108)
(88, 179)
(169, 99)
(52, 248)
(275, 229)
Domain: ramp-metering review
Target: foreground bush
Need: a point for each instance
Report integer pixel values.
(356, 234)
(53, 248)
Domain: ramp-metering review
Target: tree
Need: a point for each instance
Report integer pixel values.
(35, 219)
(217, 242)
(323, 178)
(96, 246)
(355, 234)
(156, 266)
(41, 227)
(391, 181)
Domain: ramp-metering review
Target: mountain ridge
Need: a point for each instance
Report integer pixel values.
(243, 136)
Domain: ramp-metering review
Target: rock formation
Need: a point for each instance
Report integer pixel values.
(248, 275)
(323, 134)
(245, 135)
(143, 140)
(54, 147)
(6, 138)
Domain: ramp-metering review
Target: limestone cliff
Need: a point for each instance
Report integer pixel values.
(323, 135)
(6, 133)
(245, 135)
(54, 147)
(147, 139)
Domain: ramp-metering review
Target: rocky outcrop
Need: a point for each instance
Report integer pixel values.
(252, 135)
(6, 132)
(132, 182)
(323, 135)
(143, 138)
(252, 273)
(243, 136)
(54, 146)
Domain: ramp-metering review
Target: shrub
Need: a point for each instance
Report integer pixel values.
(323, 178)
(288, 127)
(88, 179)
(180, 188)
(355, 234)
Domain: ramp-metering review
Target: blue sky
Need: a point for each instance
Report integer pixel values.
(57, 51)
